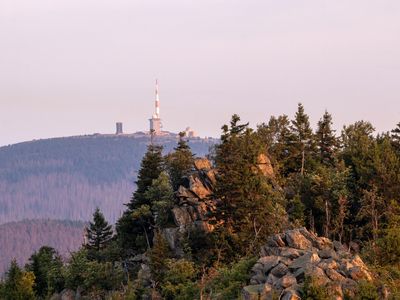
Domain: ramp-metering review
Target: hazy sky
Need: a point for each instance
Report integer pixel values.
(71, 67)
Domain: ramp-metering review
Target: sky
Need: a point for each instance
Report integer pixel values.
(72, 67)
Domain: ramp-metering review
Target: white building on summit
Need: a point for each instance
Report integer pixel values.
(155, 121)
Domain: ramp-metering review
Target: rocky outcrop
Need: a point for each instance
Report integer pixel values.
(288, 258)
(194, 204)
(194, 199)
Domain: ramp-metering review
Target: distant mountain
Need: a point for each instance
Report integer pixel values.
(66, 178)
(20, 239)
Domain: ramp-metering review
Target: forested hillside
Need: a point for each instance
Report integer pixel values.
(67, 178)
(20, 239)
(278, 211)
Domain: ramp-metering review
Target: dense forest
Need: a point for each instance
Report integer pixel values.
(67, 178)
(18, 240)
(193, 229)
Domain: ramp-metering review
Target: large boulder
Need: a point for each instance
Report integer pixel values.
(289, 258)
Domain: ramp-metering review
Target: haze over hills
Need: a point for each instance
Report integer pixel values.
(20, 239)
(67, 178)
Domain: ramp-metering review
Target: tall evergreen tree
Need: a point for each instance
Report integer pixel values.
(303, 146)
(301, 124)
(247, 198)
(134, 228)
(358, 153)
(46, 265)
(150, 168)
(180, 162)
(99, 232)
(161, 197)
(326, 140)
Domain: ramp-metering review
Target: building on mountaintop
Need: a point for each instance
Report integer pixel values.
(155, 121)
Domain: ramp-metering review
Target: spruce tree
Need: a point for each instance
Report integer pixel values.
(180, 162)
(395, 137)
(18, 285)
(46, 265)
(134, 228)
(249, 207)
(150, 168)
(161, 197)
(99, 232)
(326, 140)
(302, 145)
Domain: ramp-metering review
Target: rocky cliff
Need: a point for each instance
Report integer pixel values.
(194, 203)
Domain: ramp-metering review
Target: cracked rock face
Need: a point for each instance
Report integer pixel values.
(288, 258)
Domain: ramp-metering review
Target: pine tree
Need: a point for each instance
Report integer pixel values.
(326, 140)
(135, 227)
(46, 265)
(158, 256)
(18, 285)
(180, 162)
(99, 232)
(150, 168)
(302, 145)
(359, 154)
(161, 197)
(247, 198)
(395, 137)
(301, 124)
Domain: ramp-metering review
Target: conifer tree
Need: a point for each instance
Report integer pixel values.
(395, 137)
(150, 168)
(46, 265)
(302, 145)
(358, 154)
(159, 255)
(161, 197)
(277, 136)
(249, 208)
(326, 140)
(180, 162)
(134, 228)
(99, 232)
(18, 285)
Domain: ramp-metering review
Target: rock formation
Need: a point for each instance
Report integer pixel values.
(194, 199)
(288, 258)
(194, 203)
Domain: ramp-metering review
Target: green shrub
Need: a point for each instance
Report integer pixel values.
(229, 282)
(179, 280)
(313, 291)
(94, 277)
(366, 291)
